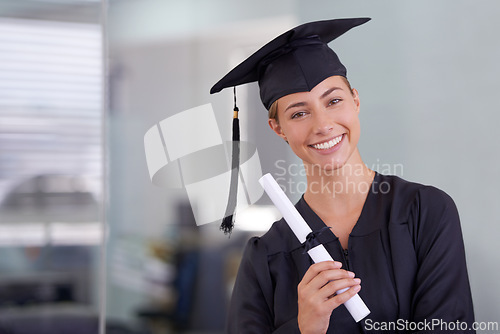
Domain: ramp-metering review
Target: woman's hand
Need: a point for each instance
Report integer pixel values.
(317, 298)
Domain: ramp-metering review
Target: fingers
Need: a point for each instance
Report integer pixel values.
(344, 296)
(323, 281)
(338, 287)
(316, 268)
(323, 288)
(319, 274)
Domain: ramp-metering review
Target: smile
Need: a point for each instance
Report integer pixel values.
(329, 144)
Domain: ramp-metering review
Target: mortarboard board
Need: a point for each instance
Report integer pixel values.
(295, 61)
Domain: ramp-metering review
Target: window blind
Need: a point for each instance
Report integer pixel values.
(50, 101)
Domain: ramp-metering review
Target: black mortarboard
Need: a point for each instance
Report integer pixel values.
(293, 62)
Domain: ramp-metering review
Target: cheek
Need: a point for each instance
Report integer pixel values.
(293, 139)
(354, 120)
(355, 129)
(296, 137)
(292, 131)
(349, 120)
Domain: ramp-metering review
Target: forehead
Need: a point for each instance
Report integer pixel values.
(337, 82)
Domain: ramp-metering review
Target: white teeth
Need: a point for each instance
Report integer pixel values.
(327, 145)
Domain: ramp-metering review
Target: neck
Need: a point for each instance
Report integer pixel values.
(342, 188)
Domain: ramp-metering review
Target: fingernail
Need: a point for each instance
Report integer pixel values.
(356, 288)
(338, 264)
(351, 274)
(357, 280)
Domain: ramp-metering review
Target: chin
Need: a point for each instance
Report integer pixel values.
(330, 166)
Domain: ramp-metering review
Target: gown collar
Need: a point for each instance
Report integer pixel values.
(365, 224)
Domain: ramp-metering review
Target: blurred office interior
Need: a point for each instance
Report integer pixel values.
(88, 244)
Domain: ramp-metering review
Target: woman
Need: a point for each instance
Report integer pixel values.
(400, 241)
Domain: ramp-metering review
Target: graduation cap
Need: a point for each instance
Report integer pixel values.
(295, 61)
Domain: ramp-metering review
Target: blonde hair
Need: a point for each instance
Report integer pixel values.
(273, 111)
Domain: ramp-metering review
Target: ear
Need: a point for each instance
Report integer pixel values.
(355, 96)
(276, 127)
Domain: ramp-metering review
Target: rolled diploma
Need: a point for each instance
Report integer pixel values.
(355, 304)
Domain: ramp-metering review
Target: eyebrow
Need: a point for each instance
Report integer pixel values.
(301, 104)
(294, 105)
(326, 93)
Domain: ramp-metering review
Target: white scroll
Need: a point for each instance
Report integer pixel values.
(355, 304)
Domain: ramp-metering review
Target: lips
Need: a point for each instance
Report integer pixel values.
(328, 144)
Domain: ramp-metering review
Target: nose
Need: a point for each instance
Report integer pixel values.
(323, 124)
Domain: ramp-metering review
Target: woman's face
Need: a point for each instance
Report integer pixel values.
(321, 126)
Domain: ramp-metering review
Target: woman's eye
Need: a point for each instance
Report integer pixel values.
(334, 101)
(298, 114)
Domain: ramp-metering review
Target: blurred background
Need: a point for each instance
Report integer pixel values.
(82, 81)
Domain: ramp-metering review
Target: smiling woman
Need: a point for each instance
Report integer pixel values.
(402, 240)
(320, 122)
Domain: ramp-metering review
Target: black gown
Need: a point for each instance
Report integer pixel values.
(406, 247)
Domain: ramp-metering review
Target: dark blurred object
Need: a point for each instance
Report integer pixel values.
(45, 287)
(58, 320)
(49, 267)
(46, 284)
(42, 320)
(51, 196)
(38, 290)
(201, 281)
(185, 259)
(177, 318)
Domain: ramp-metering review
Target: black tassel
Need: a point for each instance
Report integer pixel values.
(228, 220)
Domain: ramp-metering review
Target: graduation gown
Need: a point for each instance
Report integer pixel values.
(406, 247)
